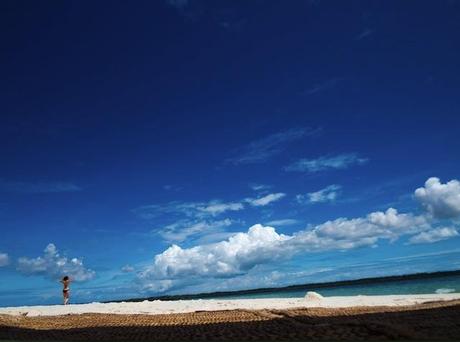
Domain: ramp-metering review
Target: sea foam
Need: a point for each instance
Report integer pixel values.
(441, 291)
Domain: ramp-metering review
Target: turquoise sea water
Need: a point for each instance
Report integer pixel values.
(448, 284)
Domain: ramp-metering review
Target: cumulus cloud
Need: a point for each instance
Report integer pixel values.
(377, 225)
(263, 149)
(434, 235)
(440, 200)
(265, 200)
(240, 252)
(328, 194)
(245, 252)
(54, 266)
(341, 161)
(263, 245)
(4, 259)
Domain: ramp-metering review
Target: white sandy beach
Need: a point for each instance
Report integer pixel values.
(184, 306)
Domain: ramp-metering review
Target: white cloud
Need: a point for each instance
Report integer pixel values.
(263, 245)
(127, 269)
(282, 222)
(341, 161)
(213, 237)
(259, 187)
(183, 229)
(216, 208)
(265, 200)
(197, 218)
(197, 210)
(441, 200)
(240, 252)
(4, 259)
(377, 225)
(434, 235)
(54, 266)
(328, 194)
(261, 150)
(183, 220)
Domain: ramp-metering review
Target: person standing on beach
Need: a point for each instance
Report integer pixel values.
(66, 290)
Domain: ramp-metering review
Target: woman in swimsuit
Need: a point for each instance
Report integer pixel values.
(65, 291)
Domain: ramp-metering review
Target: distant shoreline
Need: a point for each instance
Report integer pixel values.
(311, 286)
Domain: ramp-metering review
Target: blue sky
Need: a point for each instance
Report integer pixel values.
(189, 146)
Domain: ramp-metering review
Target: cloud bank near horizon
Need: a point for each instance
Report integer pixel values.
(239, 254)
(263, 244)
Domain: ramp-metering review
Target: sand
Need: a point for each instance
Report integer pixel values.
(185, 306)
(428, 321)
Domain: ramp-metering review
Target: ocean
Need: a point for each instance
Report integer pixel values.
(446, 284)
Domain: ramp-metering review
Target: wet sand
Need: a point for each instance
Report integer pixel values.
(427, 321)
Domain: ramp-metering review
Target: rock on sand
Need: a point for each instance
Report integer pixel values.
(313, 296)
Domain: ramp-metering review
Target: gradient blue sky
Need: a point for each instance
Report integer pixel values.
(138, 140)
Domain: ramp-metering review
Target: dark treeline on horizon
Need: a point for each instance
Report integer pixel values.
(311, 286)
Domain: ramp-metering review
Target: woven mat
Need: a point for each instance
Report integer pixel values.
(440, 320)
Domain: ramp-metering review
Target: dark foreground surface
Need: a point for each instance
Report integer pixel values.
(430, 321)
